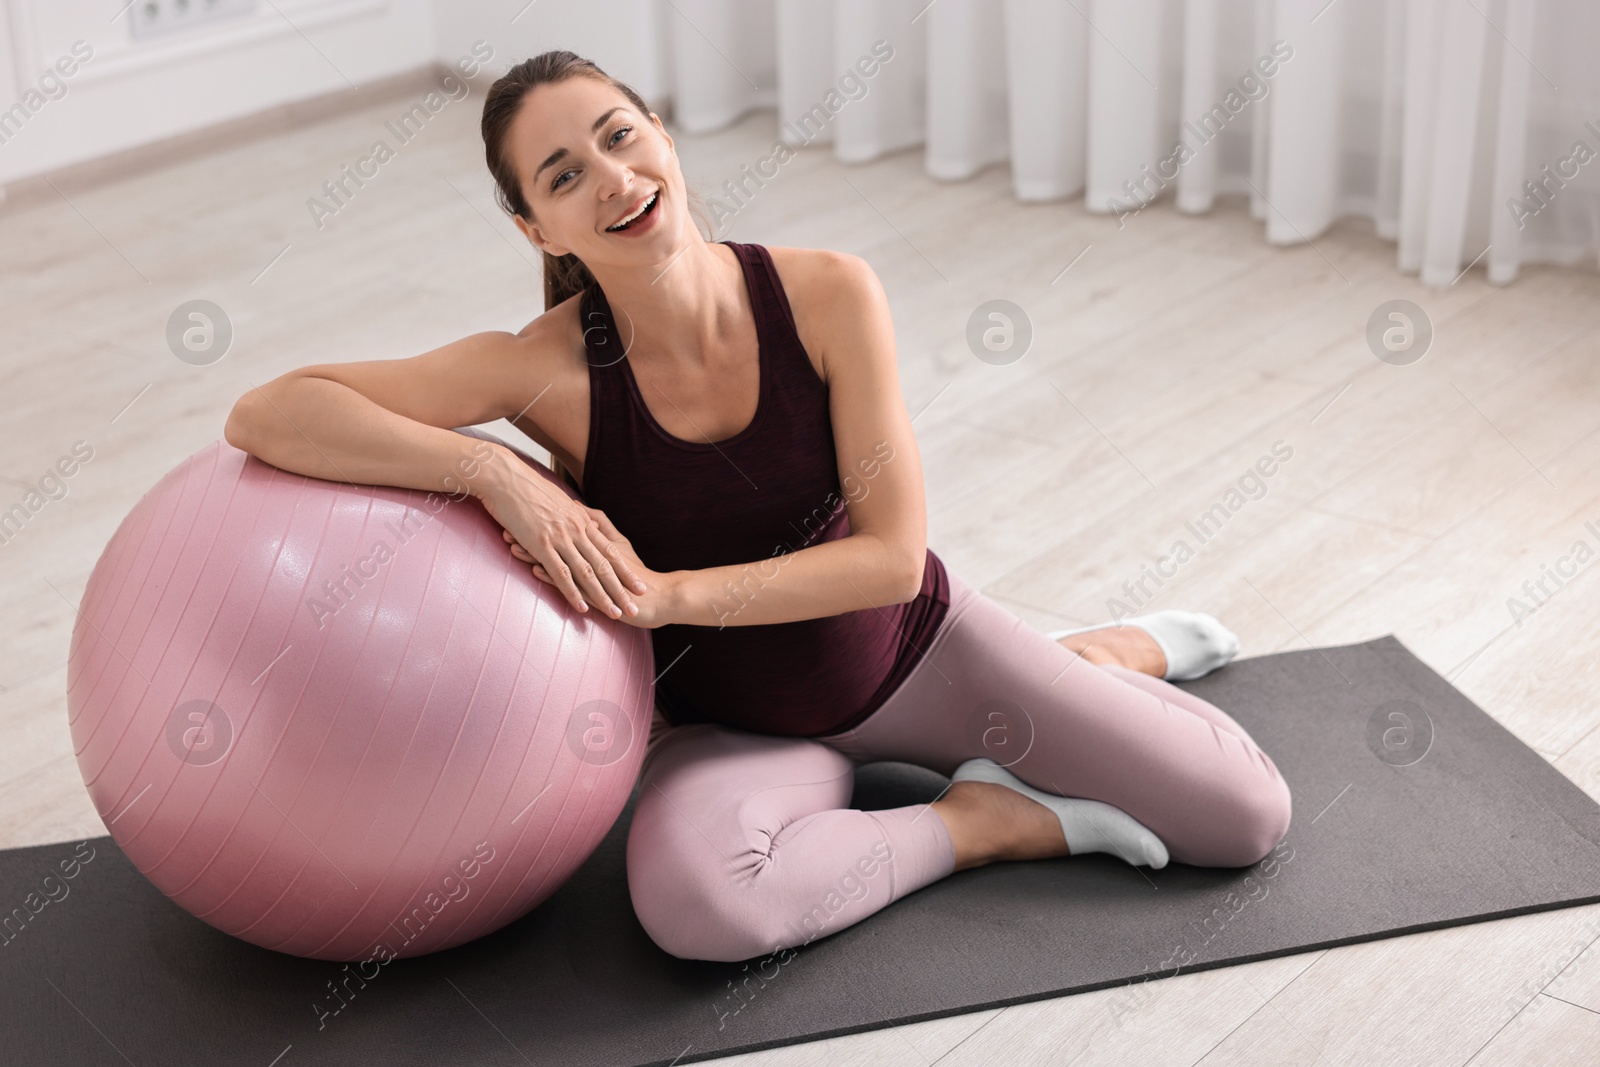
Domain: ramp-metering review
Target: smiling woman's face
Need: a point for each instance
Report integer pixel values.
(588, 160)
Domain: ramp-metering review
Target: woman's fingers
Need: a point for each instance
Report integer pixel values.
(619, 560)
(587, 567)
(601, 581)
(606, 526)
(517, 550)
(559, 572)
(524, 556)
(608, 550)
(574, 576)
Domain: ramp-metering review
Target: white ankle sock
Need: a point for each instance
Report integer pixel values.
(1193, 642)
(1088, 825)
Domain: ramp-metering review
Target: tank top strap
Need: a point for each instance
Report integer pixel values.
(603, 349)
(774, 316)
(608, 395)
(769, 303)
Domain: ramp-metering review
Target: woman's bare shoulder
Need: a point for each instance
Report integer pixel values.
(556, 341)
(553, 344)
(557, 326)
(820, 271)
(557, 416)
(828, 292)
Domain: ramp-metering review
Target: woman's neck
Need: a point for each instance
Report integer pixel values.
(674, 312)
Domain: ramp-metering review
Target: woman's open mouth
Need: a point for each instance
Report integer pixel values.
(640, 217)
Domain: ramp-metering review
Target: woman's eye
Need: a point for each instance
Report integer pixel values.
(557, 182)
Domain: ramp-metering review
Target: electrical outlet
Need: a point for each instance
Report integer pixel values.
(158, 18)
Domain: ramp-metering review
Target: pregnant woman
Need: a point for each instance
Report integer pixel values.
(752, 494)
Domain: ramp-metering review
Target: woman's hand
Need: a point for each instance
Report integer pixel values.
(650, 606)
(573, 547)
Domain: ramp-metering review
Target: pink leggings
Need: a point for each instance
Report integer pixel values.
(744, 844)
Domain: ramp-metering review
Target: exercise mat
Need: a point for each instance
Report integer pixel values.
(1413, 810)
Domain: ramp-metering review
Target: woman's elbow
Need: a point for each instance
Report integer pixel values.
(233, 431)
(912, 584)
(237, 431)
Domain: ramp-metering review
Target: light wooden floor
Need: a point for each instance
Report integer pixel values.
(1170, 356)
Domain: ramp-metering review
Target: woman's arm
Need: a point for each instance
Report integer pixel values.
(388, 422)
(382, 422)
(843, 314)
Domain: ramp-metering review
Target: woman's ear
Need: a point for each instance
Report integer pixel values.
(657, 120)
(531, 231)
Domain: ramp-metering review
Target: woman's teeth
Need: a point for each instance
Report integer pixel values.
(637, 215)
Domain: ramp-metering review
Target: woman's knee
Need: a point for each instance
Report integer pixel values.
(729, 935)
(692, 913)
(685, 935)
(707, 813)
(691, 904)
(1257, 817)
(718, 909)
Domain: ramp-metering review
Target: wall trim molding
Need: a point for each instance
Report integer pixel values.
(208, 139)
(135, 56)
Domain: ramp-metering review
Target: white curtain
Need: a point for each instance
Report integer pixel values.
(1468, 131)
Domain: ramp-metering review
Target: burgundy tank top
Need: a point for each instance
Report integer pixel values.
(770, 489)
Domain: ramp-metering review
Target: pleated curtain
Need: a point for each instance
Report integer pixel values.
(1463, 129)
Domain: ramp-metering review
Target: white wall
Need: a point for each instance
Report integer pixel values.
(624, 37)
(134, 92)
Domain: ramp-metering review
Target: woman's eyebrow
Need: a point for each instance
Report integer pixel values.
(561, 153)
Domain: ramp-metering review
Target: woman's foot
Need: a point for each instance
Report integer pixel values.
(1171, 644)
(1125, 646)
(989, 823)
(992, 815)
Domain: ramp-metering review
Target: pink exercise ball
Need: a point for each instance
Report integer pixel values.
(341, 721)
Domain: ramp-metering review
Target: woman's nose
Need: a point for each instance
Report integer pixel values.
(616, 179)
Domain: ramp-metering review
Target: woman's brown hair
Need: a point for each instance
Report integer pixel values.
(563, 275)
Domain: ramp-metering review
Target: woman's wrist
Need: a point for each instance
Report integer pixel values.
(488, 477)
(674, 595)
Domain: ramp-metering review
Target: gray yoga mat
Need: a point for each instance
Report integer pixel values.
(1413, 810)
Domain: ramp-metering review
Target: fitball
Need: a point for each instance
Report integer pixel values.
(340, 721)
